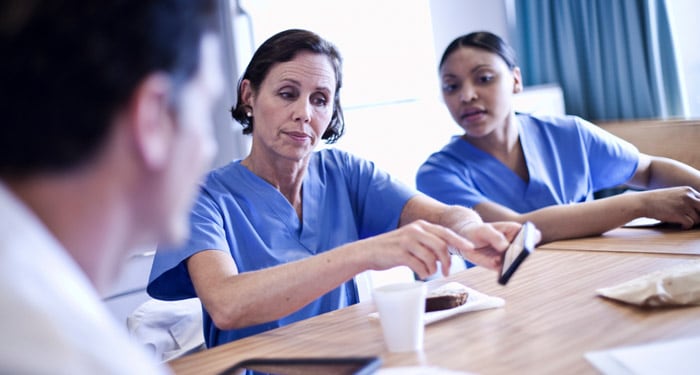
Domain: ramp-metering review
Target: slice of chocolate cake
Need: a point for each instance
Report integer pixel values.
(445, 298)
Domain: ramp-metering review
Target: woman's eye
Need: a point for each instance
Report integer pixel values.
(485, 78)
(319, 101)
(448, 87)
(287, 94)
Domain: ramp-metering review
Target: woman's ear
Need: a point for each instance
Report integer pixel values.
(517, 81)
(247, 93)
(152, 122)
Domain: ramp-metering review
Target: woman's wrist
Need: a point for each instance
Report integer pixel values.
(459, 219)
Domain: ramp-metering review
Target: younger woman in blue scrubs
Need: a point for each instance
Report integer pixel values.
(511, 166)
(278, 236)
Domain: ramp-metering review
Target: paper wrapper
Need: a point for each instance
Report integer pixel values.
(675, 286)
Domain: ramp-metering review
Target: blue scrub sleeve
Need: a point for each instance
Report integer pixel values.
(439, 178)
(169, 278)
(379, 198)
(612, 160)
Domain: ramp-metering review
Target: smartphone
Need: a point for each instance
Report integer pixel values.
(521, 246)
(310, 366)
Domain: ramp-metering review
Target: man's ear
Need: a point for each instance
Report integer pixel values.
(152, 123)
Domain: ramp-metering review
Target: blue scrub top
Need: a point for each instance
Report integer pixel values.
(344, 199)
(568, 159)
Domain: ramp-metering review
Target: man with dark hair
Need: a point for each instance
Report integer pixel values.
(105, 133)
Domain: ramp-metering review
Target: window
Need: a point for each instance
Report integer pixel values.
(387, 46)
(683, 14)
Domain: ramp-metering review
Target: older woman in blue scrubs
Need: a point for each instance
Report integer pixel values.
(544, 169)
(278, 236)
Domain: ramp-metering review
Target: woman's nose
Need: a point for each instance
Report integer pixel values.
(468, 93)
(302, 111)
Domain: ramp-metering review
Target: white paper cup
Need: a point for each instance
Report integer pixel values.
(401, 309)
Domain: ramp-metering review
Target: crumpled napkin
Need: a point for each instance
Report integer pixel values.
(674, 286)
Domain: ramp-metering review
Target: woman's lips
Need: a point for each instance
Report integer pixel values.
(297, 136)
(472, 115)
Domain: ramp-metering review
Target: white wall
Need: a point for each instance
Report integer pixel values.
(683, 15)
(452, 18)
(229, 134)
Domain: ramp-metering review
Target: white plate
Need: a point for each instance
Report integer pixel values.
(476, 301)
(642, 222)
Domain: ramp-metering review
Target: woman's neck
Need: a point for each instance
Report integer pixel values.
(504, 145)
(503, 140)
(284, 175)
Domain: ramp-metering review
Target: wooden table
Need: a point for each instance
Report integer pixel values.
(552, 317)
(660, 240)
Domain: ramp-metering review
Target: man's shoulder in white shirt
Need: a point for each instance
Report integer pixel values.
(53, 321)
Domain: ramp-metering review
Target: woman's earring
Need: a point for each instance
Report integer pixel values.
(248, 114)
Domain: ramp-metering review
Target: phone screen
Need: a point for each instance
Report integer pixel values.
(521, 246)
(310, 366)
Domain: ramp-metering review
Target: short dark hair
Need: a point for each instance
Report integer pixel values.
(482, 40)
(283, 47)
(68, 66)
